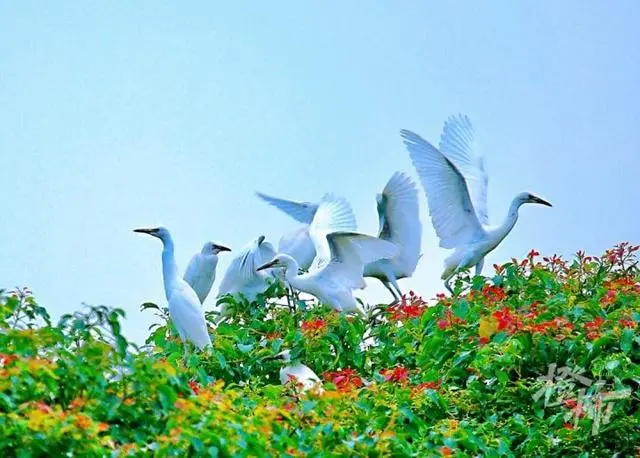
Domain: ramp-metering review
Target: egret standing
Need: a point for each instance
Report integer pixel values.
(185, 308)
(201, 271)
(398, 213)
(455, 182)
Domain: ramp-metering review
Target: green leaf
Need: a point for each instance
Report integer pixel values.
(626, 341)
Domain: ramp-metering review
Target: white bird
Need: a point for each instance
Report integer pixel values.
(342, 257)
(241, 276)
(297, 373)
(398, 213)
(185, 308)
(455, 182)
(298, 243)
(201, 271)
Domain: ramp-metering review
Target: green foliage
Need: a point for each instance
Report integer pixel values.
(515, 365)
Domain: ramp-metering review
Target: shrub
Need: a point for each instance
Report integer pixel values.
(540, 360)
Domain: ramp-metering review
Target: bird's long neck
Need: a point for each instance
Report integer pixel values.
(510, 220)
(169, 268)
(291, 273)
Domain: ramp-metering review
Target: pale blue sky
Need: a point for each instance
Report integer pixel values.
(115, 115)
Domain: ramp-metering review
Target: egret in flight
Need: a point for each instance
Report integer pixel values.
(185, 308)
(241, 276)
(297, 373)
(398, 213)
(201, 271)
(298, 243)
(341, 257)
(455, 182)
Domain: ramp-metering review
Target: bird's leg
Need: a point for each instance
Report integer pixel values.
(447, 285)
(186, 352)
(479, 267)
(396, 299)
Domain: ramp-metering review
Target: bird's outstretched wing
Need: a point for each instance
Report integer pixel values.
(458, 144)
(350, 251)
(300, 211)
(232, 276)
(398, 211)
(450, 206)
(334, 214)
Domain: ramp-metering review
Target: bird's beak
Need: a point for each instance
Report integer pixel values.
(538, 200)
(144, 231)
(222, 248)
(267, 265)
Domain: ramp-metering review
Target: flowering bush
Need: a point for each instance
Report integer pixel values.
(540, 360)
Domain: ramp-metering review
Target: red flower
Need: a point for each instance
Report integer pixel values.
(567, 426)
(594, 325)
(592, 335)
(493, 293)
(446, 451)
(484, 340)
(628, 323)
(195, 387)
(5, 360)
(443, 324)
(397, 374)
(533, 254)
(344, 379)
(409, 308)
(608, 298)
(427, 386)
(313, 326)
(571, 403)
(506, 320)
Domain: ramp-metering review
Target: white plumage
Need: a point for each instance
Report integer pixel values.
(201, 270)
(336, 215)
(242, 277)
(184, 306)
(455, 183)
(298, 373)
(341, 260)
(398, 213)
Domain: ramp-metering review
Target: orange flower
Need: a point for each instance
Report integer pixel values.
(628, 323)
(102, 427)
(5, 360)
(42, 407)
(493, 293)
(609, 298)
(83, 421)
(195, 387)
(446, 451)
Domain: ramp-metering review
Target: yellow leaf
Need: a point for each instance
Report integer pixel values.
(488, 326)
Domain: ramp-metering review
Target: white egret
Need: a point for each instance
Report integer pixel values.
(398, 213)
(241, 276)
(298, 243)
(184, 306)
(297, 373)
(201, 271)
(333, 282)
(455, 182)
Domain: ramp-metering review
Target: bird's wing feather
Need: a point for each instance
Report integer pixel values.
(450, 207)
(458, 144)
(188, 315)
(334, 214)
(401, 220)
(300, 211)
(350, 251)
(232, 275)
(200, 274)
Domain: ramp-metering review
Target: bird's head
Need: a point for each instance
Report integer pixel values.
(284, 355)
(211, 248)
(528, 198)
(280, 260)
(160, 232)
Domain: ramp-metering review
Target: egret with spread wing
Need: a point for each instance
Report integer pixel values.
(201, 271)
(298, 243)
(400, 224)
(333, 282)
(455, 182)
(185, 308)
(241, 276)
